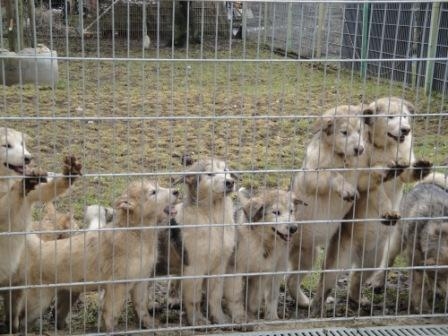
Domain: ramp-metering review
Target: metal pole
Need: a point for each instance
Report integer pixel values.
(320, 23)
(432, 46)
(365, 38)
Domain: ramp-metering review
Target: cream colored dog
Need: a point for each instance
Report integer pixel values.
(16, 205)
(328, 184)
(361, 244)
(261, 248)
(207, 201)
(105, 256)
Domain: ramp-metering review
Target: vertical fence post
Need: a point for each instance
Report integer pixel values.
(321, 24)
(365, 38)
(289, 29)
(432, 46)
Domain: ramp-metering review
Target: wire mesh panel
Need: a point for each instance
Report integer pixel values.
(210, 167)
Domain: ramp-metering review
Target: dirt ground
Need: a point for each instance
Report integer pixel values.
(126, 119)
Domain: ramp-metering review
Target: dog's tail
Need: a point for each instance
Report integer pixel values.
(437, 178)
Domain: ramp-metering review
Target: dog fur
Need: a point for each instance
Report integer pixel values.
(361, 243)
(337, 143)
(261, 248)
(97, 216)
(63, 223)
(207, 201)
(100, 256)
(16, 206)
(426, 240)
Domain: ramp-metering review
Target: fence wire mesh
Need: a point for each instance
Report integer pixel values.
(204, 167)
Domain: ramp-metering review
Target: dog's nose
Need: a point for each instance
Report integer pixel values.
(229, 184)
(405, 130)
(27, 159)
(176, 193)
(359, 150)
(292, 229)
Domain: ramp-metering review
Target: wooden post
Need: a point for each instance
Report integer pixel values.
(365, 38)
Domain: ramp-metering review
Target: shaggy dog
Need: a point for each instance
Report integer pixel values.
(261, 248)
(126, 252)
(360, 243)
(328, 184)
(207, 201)
(16, 206)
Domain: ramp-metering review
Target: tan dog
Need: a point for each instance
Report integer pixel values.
(15, 210)
(361, 244)
(338, 143)
(261, 248)
(106, 256)
(63, 224)
(207, 201)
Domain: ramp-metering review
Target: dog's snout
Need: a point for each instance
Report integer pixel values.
(27, 159)
(359, 150)
(405, 130)
(229, 184)
(292, 229)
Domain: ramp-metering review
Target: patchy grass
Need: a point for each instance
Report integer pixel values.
(128, 118)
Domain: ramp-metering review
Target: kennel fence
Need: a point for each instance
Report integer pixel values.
(130, 113)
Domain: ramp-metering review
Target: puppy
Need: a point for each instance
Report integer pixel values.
(53, 220)
(337, 143)
(425, 227)
(261, 248)
(207, 201)
(14, 156)
(94, 256)
(97, 216)
(361, 243)
(16, 205)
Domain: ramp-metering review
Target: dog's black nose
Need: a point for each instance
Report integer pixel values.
(229, 184)
(27, 159)
(292, 229)
(405, 130)
(359, 150)
(176, 193)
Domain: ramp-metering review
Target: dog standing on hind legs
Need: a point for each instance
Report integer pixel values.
(207, 201)
(337, 143)
(361, 243)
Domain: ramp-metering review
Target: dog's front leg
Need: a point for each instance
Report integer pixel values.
(233, 294)
(271, 301)
(216, 294)
(112, 304)
(139, 296)
(192, 293)
(46, 192)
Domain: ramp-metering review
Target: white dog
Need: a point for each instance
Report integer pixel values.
(207, 201)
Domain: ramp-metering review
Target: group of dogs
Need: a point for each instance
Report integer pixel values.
(231, 253)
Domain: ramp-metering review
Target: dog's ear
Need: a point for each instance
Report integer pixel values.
(125, 203)
(410, 106)
(254, 210)
(325, 125)
(26, 138)
(367, 115)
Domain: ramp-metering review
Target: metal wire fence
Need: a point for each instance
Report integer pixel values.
(223, 167)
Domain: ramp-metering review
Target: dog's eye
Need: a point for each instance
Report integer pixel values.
(7, 146)
(390, 117)
(211, 175)
(152, 192)
(276, 212)
(344, 133)
(291, 212)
